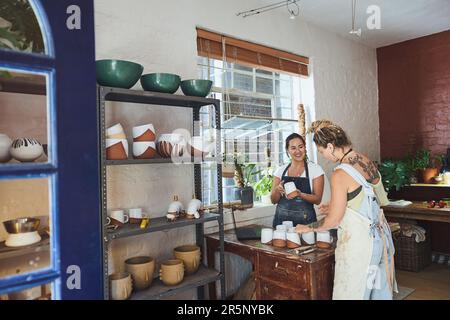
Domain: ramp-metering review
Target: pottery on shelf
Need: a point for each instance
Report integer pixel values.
(196, 87)
(116, 149)
(5, 145)
(121, 285)
(170, 144)
(22, 231)
(118, 73)
(194, 207)
(144, 149)
(141, 270)
(115, 132)
(171, 272)
(190, 255)
(199, 148)
(160, 82)
(145, 132)
(26, 149)
(175, 207)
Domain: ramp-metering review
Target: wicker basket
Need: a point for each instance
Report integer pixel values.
(410, 255)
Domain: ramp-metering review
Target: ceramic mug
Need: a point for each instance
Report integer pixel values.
(289, 187)
(141, 270)
(309, 238)
(171, 272)
(136, 215)
(279, 239)
(120, 286)
(190, 255)
(281, 227)
(288, 224)
(117, 217)
(266, 235)
(293, 240)
(324, 239)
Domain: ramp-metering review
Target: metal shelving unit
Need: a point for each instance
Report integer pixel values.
(204, 275)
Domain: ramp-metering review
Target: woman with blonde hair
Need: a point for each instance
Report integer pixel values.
(365, 252)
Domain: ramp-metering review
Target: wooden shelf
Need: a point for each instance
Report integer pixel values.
(36, 85)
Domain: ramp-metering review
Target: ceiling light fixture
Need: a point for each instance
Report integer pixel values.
(353, 31)
(291, 5)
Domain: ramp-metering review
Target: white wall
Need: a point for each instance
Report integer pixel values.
(161, 35)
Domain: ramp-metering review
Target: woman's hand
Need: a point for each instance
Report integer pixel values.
(280, 188)
(301, 228)
(294, 194)
(324, 208)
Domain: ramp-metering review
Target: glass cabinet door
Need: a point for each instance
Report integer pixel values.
(48, 152)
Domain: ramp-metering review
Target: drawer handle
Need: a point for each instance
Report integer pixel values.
(281, 269)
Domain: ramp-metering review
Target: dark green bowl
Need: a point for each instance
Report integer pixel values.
(118, 73)
(198, 88)
(161, 82)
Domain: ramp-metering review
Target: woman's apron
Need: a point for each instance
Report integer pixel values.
(296, 210)
(364, 253)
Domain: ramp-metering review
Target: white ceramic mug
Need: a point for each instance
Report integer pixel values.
(289, 187)
(288, 224)
(266, 235)
(323, 236)
(293, 237)
(281, 227)
(279, 234)
(135, 213)
(309, 237)
(119, 215)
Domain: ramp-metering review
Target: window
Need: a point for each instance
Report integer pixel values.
(258, 112)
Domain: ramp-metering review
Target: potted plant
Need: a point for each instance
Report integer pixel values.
(426, 165)
(243, 175)
(395, 173)
(263, 187)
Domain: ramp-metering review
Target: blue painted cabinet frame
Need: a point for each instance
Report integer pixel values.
(74, 165)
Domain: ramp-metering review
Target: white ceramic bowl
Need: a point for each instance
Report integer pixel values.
(145, 132)
(144, 149)
(26, 149)
(115, 132)
(170, 144)
(5, 145)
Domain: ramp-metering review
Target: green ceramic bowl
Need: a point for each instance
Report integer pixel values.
(118, 73)
(161, 82)
(198, 88)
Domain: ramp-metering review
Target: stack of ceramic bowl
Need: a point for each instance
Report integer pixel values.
(144, 146)
(116, 143)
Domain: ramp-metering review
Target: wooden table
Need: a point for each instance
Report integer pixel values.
(418, 211)
(279, 274)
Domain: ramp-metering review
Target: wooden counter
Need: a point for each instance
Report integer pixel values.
(279, 273)
(418, 211)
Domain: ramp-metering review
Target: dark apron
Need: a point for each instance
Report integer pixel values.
(296, 210)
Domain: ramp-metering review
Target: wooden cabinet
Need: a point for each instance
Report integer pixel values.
(291, 278)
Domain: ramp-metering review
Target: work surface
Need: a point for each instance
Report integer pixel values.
(418, 211)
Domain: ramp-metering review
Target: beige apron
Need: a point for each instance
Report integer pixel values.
(353, 254)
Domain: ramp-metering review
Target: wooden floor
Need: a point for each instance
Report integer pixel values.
(433, 283)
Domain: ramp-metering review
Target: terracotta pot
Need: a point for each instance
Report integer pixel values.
(116, 149)
(141, 270)
(145, 132)
(171, 272)
(120, 286)
(190, 255)
(428, 174)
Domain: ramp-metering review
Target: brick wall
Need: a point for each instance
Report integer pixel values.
(414, 95)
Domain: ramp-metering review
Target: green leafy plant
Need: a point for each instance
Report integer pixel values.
(244, 173)
(22, 31)
(264, 185)
(396, 173)
(422, 159)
